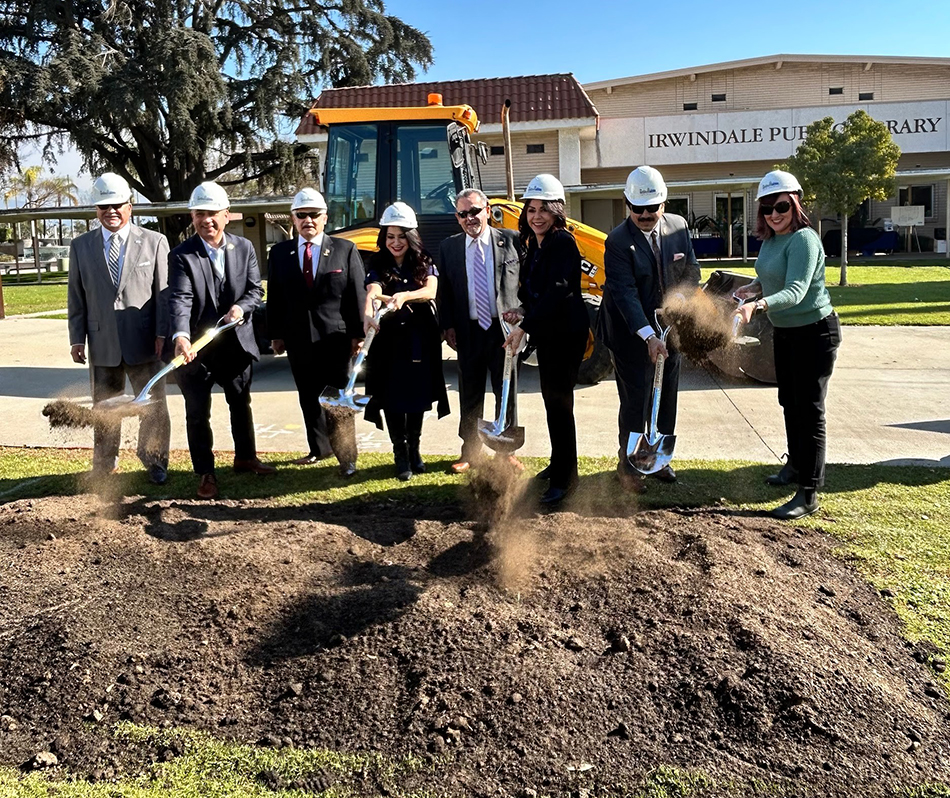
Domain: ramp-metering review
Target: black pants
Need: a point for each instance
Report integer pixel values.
(804, 360)
(558, 363)
(484, 355)
(404, 427)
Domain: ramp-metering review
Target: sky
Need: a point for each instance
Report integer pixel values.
(602, 40)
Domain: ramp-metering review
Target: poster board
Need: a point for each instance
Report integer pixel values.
(907, 215)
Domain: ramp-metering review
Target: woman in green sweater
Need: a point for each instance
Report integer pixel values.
(790, 286)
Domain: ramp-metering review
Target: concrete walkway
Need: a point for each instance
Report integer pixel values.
(889, 402)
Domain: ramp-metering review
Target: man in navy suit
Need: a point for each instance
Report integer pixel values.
(212, 277)
(315, 298)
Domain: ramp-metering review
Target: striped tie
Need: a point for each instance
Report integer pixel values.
(480, 282)
(114, 247)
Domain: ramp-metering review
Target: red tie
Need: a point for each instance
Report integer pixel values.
(308, 264)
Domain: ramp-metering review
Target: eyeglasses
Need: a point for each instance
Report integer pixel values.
(639, 210)
(308, 214)
(117, 207)
(473, 212)
(779, 207)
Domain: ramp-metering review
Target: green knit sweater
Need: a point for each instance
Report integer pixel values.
(791, 271)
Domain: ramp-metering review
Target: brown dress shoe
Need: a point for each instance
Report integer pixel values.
(665, 474)
(309, 459)
(514, 463)
(460, 467)
(208, 487)
(254, 466)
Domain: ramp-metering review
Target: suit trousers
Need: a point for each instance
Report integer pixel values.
(316, 366)
(634, 373)
(558, 363)
(804, 359)
(154, 423)
(230, 369)
(483, 356)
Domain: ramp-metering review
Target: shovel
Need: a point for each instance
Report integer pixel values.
(347, 397)
(144, 398)
(494, 434)
(649, 452)
(741, 340)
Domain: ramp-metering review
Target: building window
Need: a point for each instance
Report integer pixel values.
(535, 149)
(866, 95)
(918, 195)
(719, 98)
(497, 149)
(678, 205)
(836, 90)
(690, 106)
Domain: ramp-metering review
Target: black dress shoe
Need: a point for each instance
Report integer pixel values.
(544, 473)
(804, 502)
(347, 470)
(553, 496)
(157, 474)
(786, 476)
(665, 474)
(309, 459)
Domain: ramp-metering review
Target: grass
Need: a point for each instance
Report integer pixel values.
(33, 298)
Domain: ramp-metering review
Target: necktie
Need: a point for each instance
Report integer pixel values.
(659, 260)
(480, 283)
(114, 247)
(308, 264)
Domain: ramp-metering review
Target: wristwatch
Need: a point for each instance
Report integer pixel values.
(760, 306)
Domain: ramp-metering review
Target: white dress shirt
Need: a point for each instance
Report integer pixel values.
(485, 242)
(123, 234)
(646, 332)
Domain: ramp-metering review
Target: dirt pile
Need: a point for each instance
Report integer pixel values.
(700, 325)
(65, 413)
(705, 639)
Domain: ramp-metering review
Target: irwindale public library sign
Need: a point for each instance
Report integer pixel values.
(758, 135)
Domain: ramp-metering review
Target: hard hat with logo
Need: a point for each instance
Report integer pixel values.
(209, 197)
(778, 182)
(645, 186)
(308, 198)
(544, 187)
(111, 189)
(399, 215)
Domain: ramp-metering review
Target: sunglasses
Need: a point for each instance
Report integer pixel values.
(308, 214)
(639, 210)
(117, 207)
(473, 212)
(779, 207)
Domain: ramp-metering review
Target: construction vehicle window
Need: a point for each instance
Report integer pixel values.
(351, 175)
(424, 175)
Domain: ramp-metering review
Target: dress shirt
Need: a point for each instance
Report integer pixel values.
(123, 234)
(647, 331)
(217, 255)
(485, 242)
(316, 245)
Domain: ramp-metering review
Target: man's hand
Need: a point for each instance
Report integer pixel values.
(159, 345)
(236, 312)
(655, 347)
(183, 348)
(78, 353)
(450, 339)
(355, 346)
(514, 338)
(277, 344)
(513, 315)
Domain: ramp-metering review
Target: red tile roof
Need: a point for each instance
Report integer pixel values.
(533, 98)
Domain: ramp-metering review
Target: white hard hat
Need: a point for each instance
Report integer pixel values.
(399, 215)
(209, 197)
(645, 186)
(308, 198)
(544, 187)
(778, 182)
(111, 189)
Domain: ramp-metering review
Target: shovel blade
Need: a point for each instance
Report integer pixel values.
(336, 397)
(506, 440)
(649, 457)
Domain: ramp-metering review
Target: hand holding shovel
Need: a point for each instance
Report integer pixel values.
(347, 397)
(495, 435)
(650, 451)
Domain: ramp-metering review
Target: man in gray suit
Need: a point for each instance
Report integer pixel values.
(647, 257)
(118, 276)
(478, 281)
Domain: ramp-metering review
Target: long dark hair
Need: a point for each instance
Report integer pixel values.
(556, 209)
(417, 259)
(799, 218)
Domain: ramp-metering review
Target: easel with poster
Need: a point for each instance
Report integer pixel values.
(909, 217)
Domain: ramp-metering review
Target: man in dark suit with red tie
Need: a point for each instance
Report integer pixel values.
(213, 276)
(315, 298)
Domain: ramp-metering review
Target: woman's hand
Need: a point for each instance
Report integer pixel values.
(399, 299)
(370, 323)
(745, 312)
(513, 315)
(514, 339)
(747, 291)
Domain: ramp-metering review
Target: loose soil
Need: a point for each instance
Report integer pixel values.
(564, 652)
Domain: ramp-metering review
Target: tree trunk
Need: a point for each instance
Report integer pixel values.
(844, 250)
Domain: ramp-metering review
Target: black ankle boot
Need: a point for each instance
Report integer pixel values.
(786, 476)
(415, 459)
(401, 456)
(804, 502)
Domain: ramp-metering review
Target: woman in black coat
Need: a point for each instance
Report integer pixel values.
(552, 313)
(404, 365)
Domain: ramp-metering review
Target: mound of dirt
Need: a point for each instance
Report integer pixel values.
(700, 324)
(556, 653)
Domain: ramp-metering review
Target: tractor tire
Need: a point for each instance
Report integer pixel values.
(597, 365)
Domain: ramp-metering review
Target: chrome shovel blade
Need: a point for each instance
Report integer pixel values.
(509, 439)
(649, 457)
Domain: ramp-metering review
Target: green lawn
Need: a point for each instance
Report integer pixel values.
(33, 298)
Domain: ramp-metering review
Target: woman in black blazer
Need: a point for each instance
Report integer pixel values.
(552, 313)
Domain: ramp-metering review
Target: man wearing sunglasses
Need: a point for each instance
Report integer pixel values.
(118, 275)
(315, 298)
(478, 280)
(648, 257)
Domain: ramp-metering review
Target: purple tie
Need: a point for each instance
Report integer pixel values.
(480, 282)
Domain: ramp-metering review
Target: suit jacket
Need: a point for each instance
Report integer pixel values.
(631, 291)
(300, 316)
(193, 304)
(453, 281)
(121, 324)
